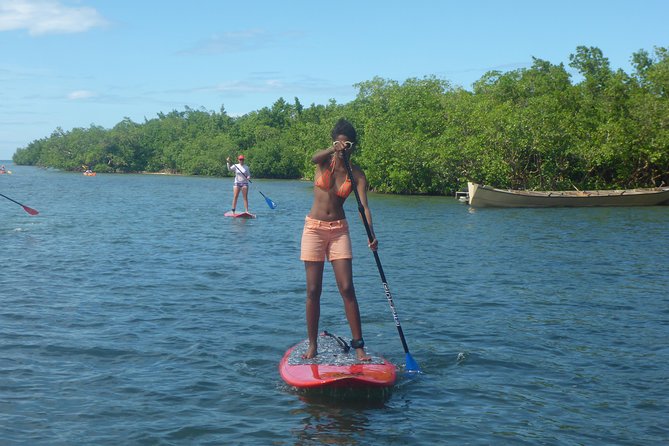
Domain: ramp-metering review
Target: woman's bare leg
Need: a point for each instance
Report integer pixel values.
(245, 194)
(235, 195)
(343, 271)
(314, 272)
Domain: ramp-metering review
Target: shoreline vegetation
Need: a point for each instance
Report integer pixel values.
(531, 128)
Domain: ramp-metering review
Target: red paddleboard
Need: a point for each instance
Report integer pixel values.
(239, 215)
(334, 367)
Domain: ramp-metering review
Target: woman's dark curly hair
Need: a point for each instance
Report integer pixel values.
(343, 127)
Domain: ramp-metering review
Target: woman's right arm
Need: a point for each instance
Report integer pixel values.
(322, 156)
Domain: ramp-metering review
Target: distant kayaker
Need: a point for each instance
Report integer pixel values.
(326, 235)
(242, 176)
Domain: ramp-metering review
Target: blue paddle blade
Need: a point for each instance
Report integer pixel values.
(411, 364)
(270, 203)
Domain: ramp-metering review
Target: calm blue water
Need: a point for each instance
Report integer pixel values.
(133, 312)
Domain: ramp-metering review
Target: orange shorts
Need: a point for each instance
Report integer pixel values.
(325, 239)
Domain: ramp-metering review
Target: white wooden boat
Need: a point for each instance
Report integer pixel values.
(485, 196)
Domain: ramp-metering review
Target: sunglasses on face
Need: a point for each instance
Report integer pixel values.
(347, 144)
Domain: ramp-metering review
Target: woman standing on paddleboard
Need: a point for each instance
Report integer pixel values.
(326, 235)
(242, 175)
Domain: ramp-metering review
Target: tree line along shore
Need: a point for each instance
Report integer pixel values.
(530, 128)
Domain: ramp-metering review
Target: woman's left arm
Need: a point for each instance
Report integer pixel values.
(361, 184)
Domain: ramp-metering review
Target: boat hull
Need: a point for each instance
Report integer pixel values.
(485, 196)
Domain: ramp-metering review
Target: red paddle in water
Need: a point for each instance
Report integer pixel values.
(31, 211)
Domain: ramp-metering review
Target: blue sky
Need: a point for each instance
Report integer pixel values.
(73, 63)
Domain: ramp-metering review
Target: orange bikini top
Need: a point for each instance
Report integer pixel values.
(326, 180)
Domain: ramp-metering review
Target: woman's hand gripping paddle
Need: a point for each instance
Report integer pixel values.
(411, 364)
(31, 211)
(270, 203)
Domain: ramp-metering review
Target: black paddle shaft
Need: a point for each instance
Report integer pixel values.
(370, 237)
(29, 210)
(11, 199)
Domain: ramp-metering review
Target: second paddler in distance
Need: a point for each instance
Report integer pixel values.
(241, 182)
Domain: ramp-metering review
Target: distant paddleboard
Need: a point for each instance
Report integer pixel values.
(335, 366)
(239, 215)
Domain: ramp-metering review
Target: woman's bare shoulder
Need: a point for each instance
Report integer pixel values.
(358, 172)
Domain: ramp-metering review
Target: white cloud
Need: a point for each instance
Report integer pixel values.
(231, 42)
(47, 17)
(80, 94)
(241, 41)
(270, 82)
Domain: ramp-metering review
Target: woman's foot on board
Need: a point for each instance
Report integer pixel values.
(361, 355)
(359, 346)
(311, 352)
